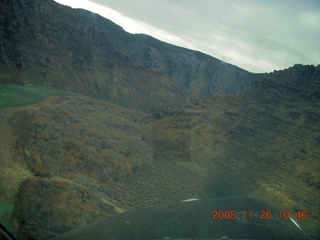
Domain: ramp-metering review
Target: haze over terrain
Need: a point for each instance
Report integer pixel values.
(148, 123)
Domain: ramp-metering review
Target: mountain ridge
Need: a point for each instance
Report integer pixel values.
(44, 43)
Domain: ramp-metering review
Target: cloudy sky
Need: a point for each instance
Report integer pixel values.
(257, 35)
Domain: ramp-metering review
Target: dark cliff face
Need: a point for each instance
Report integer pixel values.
(48, 44)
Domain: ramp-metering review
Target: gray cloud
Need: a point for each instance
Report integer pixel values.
(258, 36)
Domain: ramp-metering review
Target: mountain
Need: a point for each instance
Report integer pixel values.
(215, 130)
(44, 43)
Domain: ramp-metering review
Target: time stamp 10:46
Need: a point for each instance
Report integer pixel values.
(263, 214)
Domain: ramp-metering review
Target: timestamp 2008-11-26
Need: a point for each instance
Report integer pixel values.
(262, 214)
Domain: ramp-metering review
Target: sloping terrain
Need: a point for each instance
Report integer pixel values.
(68, 160)
(13, 169)
(45, 43)
(70, 151)
(264, 143)
(84, 159)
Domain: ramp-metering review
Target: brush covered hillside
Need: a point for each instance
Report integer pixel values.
(69, 160)
(61, 157)
(215, 130)
(47, 44)
(264, 143)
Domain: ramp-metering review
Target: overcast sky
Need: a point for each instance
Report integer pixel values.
(257, 35)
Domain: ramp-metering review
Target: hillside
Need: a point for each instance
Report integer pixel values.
(151, 123)
(61, 157)
(72, 159)
(44, 43)
(263, 143)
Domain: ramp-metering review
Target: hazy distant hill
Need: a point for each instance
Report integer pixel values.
(44, 43)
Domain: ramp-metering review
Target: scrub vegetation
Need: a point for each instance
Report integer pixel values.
(72, 135)
(71, 152)
(200, 128)
(82, 159)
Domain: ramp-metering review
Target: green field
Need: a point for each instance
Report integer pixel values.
(12, 96)
(5, 213)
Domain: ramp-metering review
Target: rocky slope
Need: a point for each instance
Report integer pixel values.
(76, 159)
(264, 143)
(44, 43)
(67, 161)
